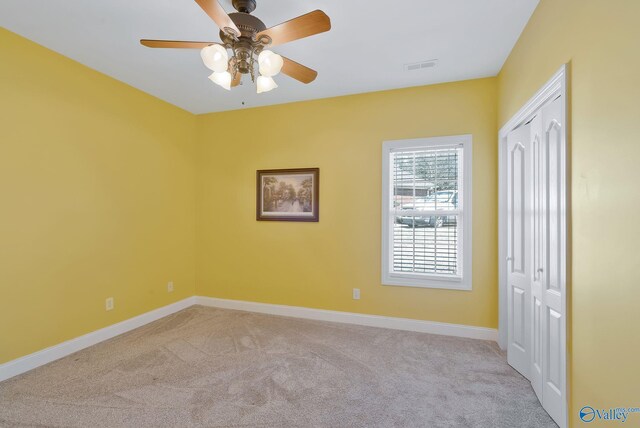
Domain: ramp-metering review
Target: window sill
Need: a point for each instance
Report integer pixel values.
(446, 283)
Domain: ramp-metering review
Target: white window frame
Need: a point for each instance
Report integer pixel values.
(458, 282)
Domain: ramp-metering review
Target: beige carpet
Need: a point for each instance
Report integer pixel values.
(219, 368)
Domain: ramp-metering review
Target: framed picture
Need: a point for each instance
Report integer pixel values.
(288, 194)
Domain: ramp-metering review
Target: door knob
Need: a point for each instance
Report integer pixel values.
(540, 270)
(509, 259)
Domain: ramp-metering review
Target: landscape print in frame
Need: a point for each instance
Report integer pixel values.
(288, 194)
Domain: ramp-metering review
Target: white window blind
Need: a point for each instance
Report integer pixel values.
(425, 212)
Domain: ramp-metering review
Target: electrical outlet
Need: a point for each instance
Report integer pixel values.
(356, 294)
(109, 304)
(170, 287)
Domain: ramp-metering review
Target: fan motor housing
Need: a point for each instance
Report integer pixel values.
(246, 6)
(248, 25)
(245, 45)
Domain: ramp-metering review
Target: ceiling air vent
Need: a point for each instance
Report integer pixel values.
(420, 65)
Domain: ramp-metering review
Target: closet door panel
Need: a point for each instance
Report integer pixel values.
(553, 267)
(518, 250)
(537, 254)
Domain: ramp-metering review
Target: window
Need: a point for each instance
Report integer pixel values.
(426, 212)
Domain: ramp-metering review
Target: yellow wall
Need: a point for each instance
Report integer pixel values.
(97, 199)
(98, 188)
(99, 195)
(317, 264)
(601, 40)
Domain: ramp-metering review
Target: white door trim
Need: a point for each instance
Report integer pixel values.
(557, 85)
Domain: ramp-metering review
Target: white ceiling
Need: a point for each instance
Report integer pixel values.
(366, 49)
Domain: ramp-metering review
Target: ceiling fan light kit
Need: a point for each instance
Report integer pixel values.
(247, 38)
(215, 57)
(221, 78)
(265, 84)
(269, 63)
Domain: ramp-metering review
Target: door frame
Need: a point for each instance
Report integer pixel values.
(558, 85)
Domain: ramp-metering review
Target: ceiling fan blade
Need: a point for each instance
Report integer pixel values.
(298, 71)
(217, 13)
(175, 44)
(298, 28)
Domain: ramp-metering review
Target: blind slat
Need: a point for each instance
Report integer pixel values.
(424, 182)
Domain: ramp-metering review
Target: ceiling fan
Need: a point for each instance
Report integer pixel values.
(247, 37)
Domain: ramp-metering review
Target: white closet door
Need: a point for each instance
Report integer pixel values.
(552, 266)
(537, 254)
(518, 250)
(535, 209)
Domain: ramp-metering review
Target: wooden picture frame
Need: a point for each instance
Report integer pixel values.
(288, 194)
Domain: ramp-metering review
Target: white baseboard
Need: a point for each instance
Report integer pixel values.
(47, 355)
(37, 359)
(353, 318)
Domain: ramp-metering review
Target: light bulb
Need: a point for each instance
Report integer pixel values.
(222, 78)
(270, 63)
(265, 84)
(215, 57)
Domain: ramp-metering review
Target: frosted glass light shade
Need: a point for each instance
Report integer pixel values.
(215, 57)
(265, 84)
(221, 78)
(270, 63)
